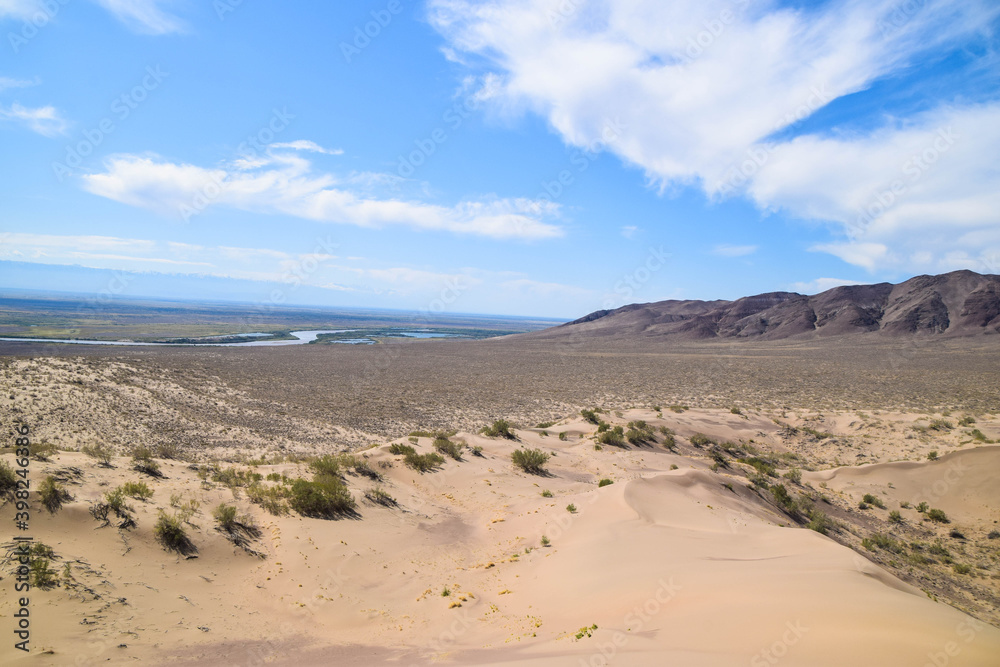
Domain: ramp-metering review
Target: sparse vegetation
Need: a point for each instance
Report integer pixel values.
(142, 461)
(499, 429)
(571, 508)
(424, 462)
(590, 416)
(137, 490)
(937, 515)
(794, 475)
(400, 449)
(445, 446)
(873, 500)
(884, 542)
(895, 517)
(546, 493)
(940, 425)
(701, 440)
(99, 452)
(52, 494)
(43, 451)
(170, 533)
(8, 479)
(531, 461)
(324, 497)
(932, 455)
(545, 541)
(380, 496)
(604, 482)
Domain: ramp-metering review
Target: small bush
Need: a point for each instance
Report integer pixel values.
(546, 493)
(895, 517)
(932, 456)
(884, 542)
(225, 516)
(8, 479)
(43, 451)
(673, 466)
(736, 411)
(272, 499)
(424, 462)
(590, 416)
(922, 507)
(793, 475)
(762, 466)
(966, 421)
(325, 465)
(544, 425)
(994, 535)
(168, 450)
(499, 429)
(562, 435)
(400, 449)
(960, 568)
(819, 521)
(477, 450)
(546, 541)
(701, 440)
(614, 437)
(42, 575)
(52, 494)
(137, 490)
(678, 408)
(142, 461)
(874, 501)
(448, 448)
(782, 497)
(115, 500)
(170, 533)
(978, 435)
(380, 497)
(530, 460)
(937, 515)
(957, 534)
(100, 452)
(940, 425)
(571, 508)
(604, 482)
(324, 497)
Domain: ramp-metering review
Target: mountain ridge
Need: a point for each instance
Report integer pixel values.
(956, 304)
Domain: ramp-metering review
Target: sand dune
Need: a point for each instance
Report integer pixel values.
(671, 566)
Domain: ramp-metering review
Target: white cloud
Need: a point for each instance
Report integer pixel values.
(700, 87)
(821, 285)
(144, 16)
(20, 9)
(7, 82)
(726, 250)
(629, 231)
(285, 184)
(46, 121)
(306, 145)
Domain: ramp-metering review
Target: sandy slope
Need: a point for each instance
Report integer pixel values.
(671, 566)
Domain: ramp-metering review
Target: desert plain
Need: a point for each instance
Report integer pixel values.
(670, 543)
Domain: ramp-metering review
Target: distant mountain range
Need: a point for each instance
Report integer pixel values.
(961, 303)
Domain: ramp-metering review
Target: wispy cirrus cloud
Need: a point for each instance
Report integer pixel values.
(710, 93)
(726, 250)
(144, 16)
(284, 183)
(46, 121)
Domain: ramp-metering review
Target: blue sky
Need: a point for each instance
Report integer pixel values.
(524, 157)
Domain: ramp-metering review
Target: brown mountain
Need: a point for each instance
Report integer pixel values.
(961, 303)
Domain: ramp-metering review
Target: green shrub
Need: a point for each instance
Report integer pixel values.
(736, 411)
(448, 448)
(993, 535)
(562, 435)
(477, 450)
(401, 449)
(922, 507)
(273, 477)
(225, 516)
(8, 480)
(719, 458)
(590, 416)
(978, 435)
(499, 429)
(819, 521)
(678, 408)
(571, 508)
(424, 462)
(884, 542)
(932, 456)
(42, 575)
(137, 490)
(325, 465)
(673, 466)
(614, 437)
(324, 497)
(52, 494)
(546, 493)
(793, 475)
(939, 550)
(700, 440)
(604, 482)
(874, 501)
(530, 460)
(168, 450)
(544, 425)
(380, 497)
(603, 426)
(545, 541)
(959, 568)
(819, 435)
(42, 451)
(937, 515)
(272, 499)
(762, 466)
(782, 497)
(759, 481)
(170, 533)
(895, 517)
(940, 425)
(116, 501)
(967, 421)
(100, 452)
(142, 461)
